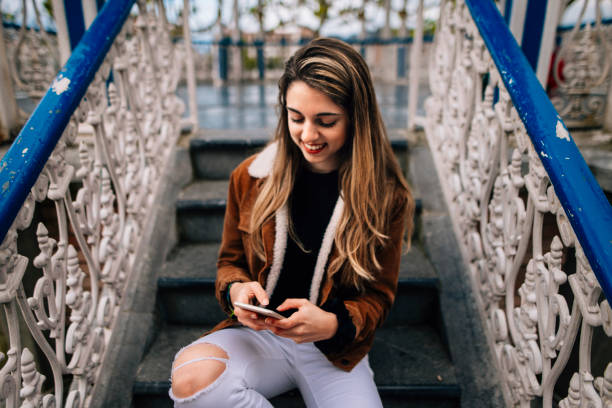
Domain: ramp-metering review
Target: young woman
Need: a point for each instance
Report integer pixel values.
(314, 227)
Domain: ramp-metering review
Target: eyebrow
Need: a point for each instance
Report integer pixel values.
(318, 114)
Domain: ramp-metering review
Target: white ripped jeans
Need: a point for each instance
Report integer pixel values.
(262, 365)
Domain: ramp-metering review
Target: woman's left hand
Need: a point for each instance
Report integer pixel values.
(309, 324)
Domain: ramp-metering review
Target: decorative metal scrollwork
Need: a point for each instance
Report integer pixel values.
(34, 54)
(581, 70)
(513, 231)
(86, 254)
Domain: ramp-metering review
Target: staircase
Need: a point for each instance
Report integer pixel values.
(411, 359)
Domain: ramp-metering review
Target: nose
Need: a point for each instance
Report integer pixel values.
(309, 131)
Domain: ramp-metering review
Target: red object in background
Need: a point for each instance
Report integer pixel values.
(552, 84)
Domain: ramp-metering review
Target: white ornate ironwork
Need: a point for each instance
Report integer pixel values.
(581, 72)
(84, 264)
(34, 55)
(513, 232)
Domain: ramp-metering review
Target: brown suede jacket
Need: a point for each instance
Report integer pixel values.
(238, 263)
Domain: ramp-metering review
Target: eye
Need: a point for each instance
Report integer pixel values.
(296, 120)
(326, 124)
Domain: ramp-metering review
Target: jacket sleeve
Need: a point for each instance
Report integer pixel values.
(231, 264)
(368, 309)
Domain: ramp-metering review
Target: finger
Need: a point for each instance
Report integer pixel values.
(254, 323)
(291, 304)
(260, 294)
(285, 324)
(272, 322)
(242, 314)
(296, 334)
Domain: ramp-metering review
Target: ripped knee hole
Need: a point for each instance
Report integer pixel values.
(198, 367)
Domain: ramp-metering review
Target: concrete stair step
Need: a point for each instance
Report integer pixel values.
(200, 209)
(215, 159)
(201, 206)
(186, 288)
(411, 365)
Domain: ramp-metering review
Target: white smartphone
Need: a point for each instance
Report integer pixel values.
(259, 310)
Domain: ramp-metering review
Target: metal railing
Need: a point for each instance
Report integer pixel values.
(92, 153)
(225, 59)
(534, 227)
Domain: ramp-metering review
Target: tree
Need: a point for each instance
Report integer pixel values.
(322, 13)
(258, 12)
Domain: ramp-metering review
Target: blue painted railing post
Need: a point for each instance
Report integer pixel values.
(534, 25)
(75, 21)
(283, 48)
(261, 63)
(532, 31)
(223, 44)
(401, 59)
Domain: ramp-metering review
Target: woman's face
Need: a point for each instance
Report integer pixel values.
(317, 126)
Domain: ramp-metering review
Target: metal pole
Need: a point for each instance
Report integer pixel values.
(517, 19)
(9, 114)
(608, 115)
(63, 37)
(90, 10)
(191, 82)
(415, 68)
(547, 45)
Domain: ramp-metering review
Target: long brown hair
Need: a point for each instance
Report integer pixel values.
(371, 180)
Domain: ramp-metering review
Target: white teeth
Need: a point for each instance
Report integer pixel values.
(314, 147)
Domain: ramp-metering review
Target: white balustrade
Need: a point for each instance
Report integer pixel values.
(33, 55)
(135, 115)
(536, 290)
(580, 71)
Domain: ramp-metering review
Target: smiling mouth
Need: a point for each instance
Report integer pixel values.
(314, 148)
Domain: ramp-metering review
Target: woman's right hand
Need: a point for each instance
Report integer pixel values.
(244, 292)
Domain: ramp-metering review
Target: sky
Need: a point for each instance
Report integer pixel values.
(206, 12)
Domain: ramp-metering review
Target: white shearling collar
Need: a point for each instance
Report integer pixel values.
(262, 165)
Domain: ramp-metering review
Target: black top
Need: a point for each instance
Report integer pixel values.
(312, 202)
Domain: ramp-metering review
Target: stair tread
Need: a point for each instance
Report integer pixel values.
(410, 357)
(205, 191)
(198, 262)
(192, 261)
